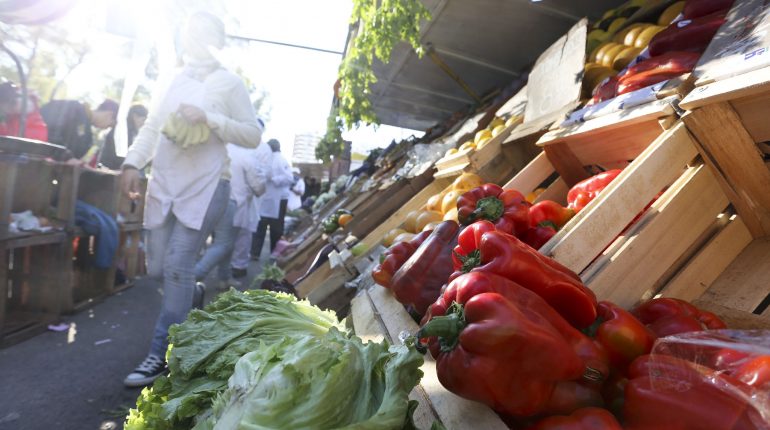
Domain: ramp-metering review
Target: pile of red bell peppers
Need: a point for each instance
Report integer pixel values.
(519, 332)
(673, 52)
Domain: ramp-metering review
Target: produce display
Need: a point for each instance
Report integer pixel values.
(483, 137)
(643, 54)
(264, 360)
(339, 219)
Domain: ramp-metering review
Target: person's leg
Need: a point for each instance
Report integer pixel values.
(221, 248)
(259, 237)
(242, 248)
(178, 245)
(276, 228)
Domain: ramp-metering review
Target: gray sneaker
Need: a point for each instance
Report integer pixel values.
(198, 295)
(148, 370)
(225, 285)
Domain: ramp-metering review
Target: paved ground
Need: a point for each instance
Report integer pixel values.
(73, 379)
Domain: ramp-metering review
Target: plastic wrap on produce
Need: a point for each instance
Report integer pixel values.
(423, 157)
(730, 366)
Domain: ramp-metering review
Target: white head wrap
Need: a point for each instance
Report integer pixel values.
(204, 36)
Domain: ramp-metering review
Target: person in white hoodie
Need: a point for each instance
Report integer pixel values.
(189, 188)
(272, 207)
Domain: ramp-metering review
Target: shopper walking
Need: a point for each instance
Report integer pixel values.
(272, 208)
(296, 191)
(247, 216)
(248, 180)
(188, 190)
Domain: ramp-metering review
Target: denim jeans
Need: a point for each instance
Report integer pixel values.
(171, 253)
(221, 251)
(241, 258)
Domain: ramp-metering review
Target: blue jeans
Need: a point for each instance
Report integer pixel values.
(171, 253)
(221, 251)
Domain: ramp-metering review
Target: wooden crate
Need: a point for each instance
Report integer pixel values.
(132, 211)
(101, 189)
(130, 255)
(32, 271)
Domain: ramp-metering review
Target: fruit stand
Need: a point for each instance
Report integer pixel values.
(686, 218)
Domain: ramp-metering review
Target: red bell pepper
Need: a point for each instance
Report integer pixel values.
(697, 8)
(538, 236)
(499, 343)
(666, 392)
(657, 69)
(582, 419)
(586, 190)
(549, 212)
(480, 248)
(755, 372)
(692, 35)
(419, 280)
(622, 335)
(507, 209)
(666, 316)
(605, 91)
(394, 257)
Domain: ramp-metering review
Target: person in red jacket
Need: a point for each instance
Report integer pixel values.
(10, 114)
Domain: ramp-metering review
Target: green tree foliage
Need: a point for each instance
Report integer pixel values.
(381, 25)
(331, 145)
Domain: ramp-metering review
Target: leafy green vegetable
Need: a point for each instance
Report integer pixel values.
(330, 382)
(205, 348)
(269, 272)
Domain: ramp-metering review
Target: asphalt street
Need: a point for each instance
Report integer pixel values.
(73, 380)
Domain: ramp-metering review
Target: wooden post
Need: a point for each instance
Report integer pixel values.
(731, 153)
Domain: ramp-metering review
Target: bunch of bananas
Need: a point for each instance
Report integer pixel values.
(184, 134)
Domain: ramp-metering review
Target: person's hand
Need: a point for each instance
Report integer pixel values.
(192, 114)
(129, 182)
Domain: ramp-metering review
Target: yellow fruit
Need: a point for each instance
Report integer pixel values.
(531, 197)
(645, 36)
(467, 146)
(434, 203)
(451, 151)
(495, 122)
(594, 74)
(410, 223)
(615, 25)
(483, 142)
(513, 120)
(426, 218)
(482, 134)
(497, 130)
(620, 37)
(451, 215)
(404, 237)
(390, 237)
(466, 182)
(431, 226)
(344, 219)
(625, 56)
(609, 55)
(599, 54)
(597, 34)
(608, 14)
(670, 13)
(450, 200)
(633, 33)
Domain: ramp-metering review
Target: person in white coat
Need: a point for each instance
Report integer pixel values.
(272, 207)
(247, 216)
(296, 191)
(189, 188)
(248, 178)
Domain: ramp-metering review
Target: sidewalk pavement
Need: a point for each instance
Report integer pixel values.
(74, 379)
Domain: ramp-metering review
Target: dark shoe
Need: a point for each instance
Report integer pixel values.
(198, 295)
(239, 273)
(148, 370)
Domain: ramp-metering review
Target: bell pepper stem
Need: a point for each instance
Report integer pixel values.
(489, 208)
(469, 261)
(447, 327)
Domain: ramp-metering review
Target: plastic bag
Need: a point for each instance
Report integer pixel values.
(423, 156)
(718, 378)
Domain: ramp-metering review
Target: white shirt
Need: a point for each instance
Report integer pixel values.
(278, 185)
(295, 195)
(249, 169)
(183, 181)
